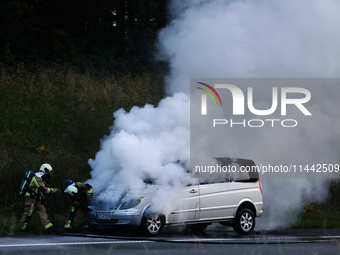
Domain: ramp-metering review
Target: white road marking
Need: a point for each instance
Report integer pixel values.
(335, 237)
(73, 243)
(277, 238)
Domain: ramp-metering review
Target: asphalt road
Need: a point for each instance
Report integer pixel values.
(212, 241)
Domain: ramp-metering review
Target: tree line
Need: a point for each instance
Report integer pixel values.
(106, 35)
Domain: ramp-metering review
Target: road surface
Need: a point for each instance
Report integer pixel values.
(172, 241)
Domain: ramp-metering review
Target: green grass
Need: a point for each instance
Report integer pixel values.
(324, 215)
(320, 218)
(10, 217)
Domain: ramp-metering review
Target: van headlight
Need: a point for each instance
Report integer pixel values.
(130, 204)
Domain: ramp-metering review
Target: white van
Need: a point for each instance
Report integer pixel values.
(234, 200)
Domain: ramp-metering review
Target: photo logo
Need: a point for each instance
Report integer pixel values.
(239, 99)
(204, 97)
(295, 96)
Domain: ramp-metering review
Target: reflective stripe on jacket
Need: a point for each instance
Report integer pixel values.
(35, 184)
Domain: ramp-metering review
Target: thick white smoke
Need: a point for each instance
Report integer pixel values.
(145, 143)
(218, 38)
(281, 38)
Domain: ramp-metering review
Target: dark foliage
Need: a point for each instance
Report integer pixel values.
(113, 36)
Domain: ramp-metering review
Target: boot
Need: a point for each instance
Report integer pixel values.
(51, 230)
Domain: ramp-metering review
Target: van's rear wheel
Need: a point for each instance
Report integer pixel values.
(244, 222)
(152, 224)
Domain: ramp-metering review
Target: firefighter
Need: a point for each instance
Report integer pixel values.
(79, 194)
(34, 196)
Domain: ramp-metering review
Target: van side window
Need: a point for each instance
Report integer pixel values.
(241, 170)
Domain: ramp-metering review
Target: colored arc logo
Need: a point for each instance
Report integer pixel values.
(209, 93)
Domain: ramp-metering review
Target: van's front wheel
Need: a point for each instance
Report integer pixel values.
(152, 224)
(244, 222)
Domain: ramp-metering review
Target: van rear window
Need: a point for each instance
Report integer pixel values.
(227, 170)
(239, 170)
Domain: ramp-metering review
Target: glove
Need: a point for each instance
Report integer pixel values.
(41, 189)
(54, 190)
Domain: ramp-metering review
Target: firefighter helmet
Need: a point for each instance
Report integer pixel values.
(46, 168)
(72, 190)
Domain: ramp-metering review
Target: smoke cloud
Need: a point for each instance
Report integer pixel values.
(251, 39)
(145, 143)
(235, 39)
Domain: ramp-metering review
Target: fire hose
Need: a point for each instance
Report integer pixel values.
(49, 205)
(43, 199)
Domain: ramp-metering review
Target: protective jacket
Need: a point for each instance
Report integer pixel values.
(37, 187)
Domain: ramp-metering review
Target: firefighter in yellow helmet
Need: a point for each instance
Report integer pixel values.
(34, 196)
(79, 194)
